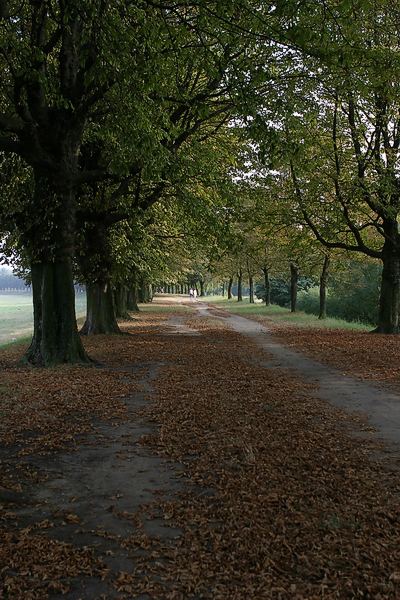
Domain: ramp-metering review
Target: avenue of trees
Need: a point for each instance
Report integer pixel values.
(156, 143)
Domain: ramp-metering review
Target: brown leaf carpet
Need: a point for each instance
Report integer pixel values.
(280, 500)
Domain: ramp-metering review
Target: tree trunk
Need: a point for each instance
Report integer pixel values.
(267, 287)
(251, 289)
(55, 336)
(323, 280)
(133, 294)
(239, 296)
(389, 302)
(202, 292)
(230, 283)
(100, 312)
(294, 277)
(145, 292)
(132, 299)
(121, 302)
(51, 246)
(223, 289)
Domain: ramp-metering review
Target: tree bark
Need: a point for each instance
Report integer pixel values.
(230, 283)
(202, 291)
(132, 299)
(145, 291)
(294, 277)
(267, 286)
(100, 312)
(251, 289)
(55, 336)
(121, 302)
(323, 280)
(389, 302)
(239, 296)
(51, 246)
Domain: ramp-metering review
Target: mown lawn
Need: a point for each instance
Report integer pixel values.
(283, 315)
(16, 315)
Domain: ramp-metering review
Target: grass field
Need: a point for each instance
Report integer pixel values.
(16, 315)
(283, 315)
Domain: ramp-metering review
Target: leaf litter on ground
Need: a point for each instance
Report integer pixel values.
(280, 501)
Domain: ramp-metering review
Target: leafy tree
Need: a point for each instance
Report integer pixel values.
(336, 135)
(59, 60)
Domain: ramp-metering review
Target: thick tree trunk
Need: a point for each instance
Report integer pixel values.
(230, 283)
(239, 296)
(100, 312)
(145, 292)
(323, 281)
(389, 303)
(202, 292)
(51, 245)
(294, 277)
(267, 287)
(55, 337)
(251, 289)
(132, 299)
(121, 302)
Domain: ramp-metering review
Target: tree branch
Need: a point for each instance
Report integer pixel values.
(360, 247)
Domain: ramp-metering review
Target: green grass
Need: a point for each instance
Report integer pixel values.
(283, 315)
(156, 308)
(16, 316)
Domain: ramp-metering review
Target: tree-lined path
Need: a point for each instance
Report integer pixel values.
(169, 450)
(190, 464)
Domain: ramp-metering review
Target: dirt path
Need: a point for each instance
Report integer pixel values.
(90, 497)
(380, 406)
(196, 466)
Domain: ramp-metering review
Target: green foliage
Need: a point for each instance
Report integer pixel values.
(353, 294)
(280, 289)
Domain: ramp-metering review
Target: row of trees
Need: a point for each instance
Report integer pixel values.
(107, 110)
(325, 150)
(142, 141)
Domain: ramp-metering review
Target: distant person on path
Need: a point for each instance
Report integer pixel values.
(191, 293)
(194, 294)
